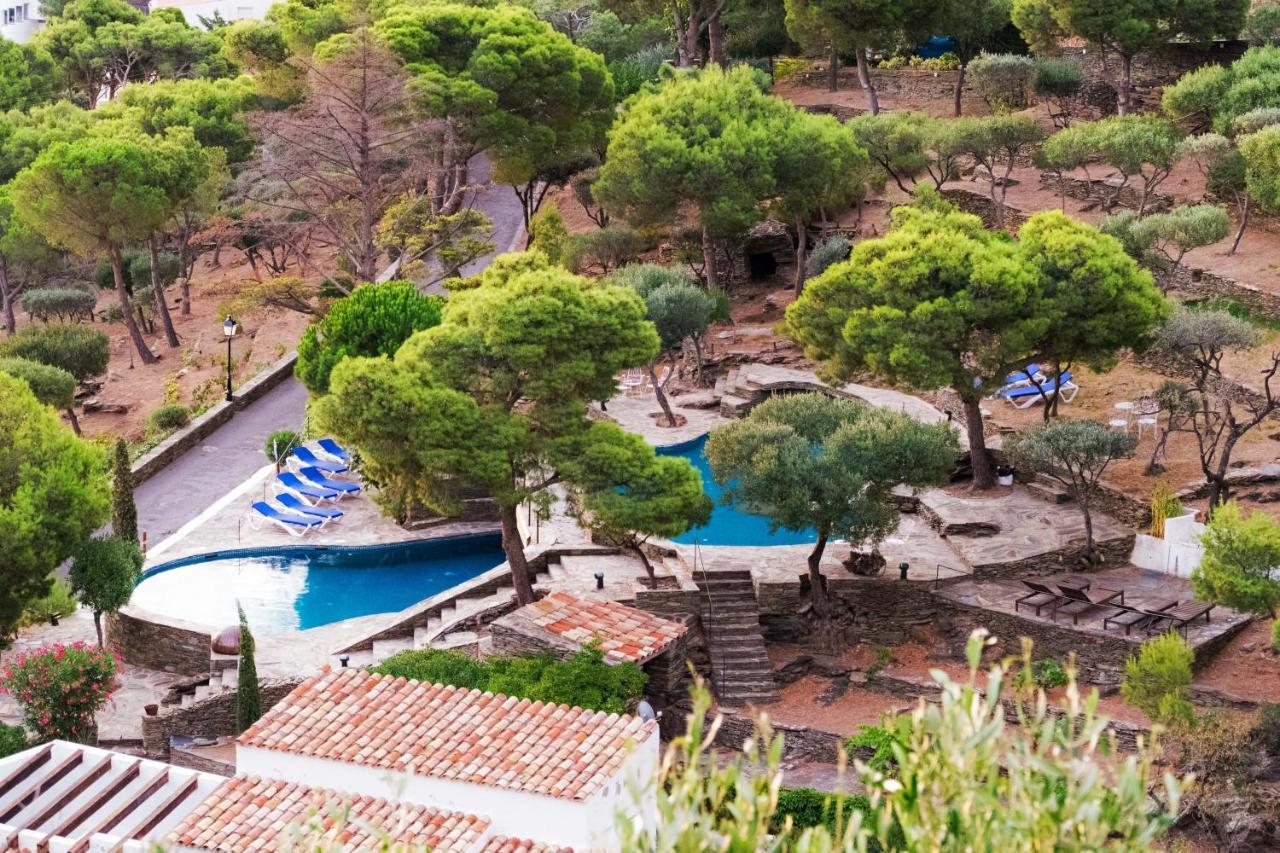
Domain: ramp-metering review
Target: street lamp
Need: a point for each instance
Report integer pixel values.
(229, 329)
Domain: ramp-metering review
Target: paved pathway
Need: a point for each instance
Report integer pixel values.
(232, 453)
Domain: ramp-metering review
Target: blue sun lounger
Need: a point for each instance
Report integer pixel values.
(307, 457)
(291, 523)
(329, 447)
(293, 503)
(291, 483)
(1026, 396)
(317, 477)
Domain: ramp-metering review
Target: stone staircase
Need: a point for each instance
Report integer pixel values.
(740, 667)
(220, 681)
(445, 627)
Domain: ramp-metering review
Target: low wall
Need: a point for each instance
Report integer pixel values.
(1129, 196)
(913, 83)
(1113, 552)
(180, 757)
(1202, 284)
(885, 609)
(144, 639)
(209, 717)
(980, 205)
(201, 427)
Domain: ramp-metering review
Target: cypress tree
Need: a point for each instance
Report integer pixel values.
(124, 513)
(248, 696)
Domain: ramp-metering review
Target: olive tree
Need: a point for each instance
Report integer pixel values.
(1225, 173)
(104, 574)
(79, 350)
(1075, 454)
(1143, 147)
(812, 461)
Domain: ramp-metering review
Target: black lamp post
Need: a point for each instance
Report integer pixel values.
(229, 329)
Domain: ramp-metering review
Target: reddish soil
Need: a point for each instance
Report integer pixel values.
(198, 366)
(1247, 668)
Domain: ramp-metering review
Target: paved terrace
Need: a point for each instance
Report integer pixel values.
(1141, 588)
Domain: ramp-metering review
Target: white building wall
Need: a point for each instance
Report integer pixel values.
(19, 21)
(1177, 553)
(231, 10)
(582, 825)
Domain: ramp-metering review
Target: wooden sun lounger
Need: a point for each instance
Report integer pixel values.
(1039, 598)
(1180, 615)
(1077, 601)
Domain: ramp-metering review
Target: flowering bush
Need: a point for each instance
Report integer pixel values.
(60, 689)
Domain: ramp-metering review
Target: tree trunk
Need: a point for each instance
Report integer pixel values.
(715, 38)
(817, 591)
(1244, 223)
(710, 264)
(157, 293)
(1125, 90)
(984, 475)
(864, 78)
(802, 251)
(959, 88)
(513, 545)
(122, 294)
(688, 47)
(6, 301)
(97, 626)
(1089, 550)
(635, 548)
(661, 395)
(75, 422)
(833, 69)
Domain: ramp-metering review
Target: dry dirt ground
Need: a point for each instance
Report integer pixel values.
(196, 370)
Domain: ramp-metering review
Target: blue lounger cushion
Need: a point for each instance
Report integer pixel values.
(316, 476)
(332, 448)
(307, 457)
(1047, 387)
(293, 484)
(266, 510)
(290, 501)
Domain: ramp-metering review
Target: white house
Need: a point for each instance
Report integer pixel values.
(20, 21)
(550, 772)
(230, 10)
(66, 796)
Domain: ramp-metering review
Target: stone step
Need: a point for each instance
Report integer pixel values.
(733, 406)
(383, 649)
(230, 679)
(1051, 492)
(455, 639)
(355, 660)
(434, 622)
(188, 699)
(542, 578)
(447, 613)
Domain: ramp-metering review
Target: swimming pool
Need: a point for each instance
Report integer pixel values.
(295, 588)
(728, 525)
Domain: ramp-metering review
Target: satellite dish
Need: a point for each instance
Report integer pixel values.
(645, 711)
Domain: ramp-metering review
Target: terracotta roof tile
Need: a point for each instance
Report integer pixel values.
(503, 844)
(624, 633)
(450, 733)
(248, 813)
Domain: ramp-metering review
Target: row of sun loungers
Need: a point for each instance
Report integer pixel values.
(1024, 388)
(1075, 598)
(296, 507)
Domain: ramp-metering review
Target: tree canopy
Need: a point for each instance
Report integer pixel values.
(812, 461)
(1241, 561)
(374, 320)
(103, 575)
(55, 495)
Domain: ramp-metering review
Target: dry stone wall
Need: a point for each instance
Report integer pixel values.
(141, 639)
(209, 717)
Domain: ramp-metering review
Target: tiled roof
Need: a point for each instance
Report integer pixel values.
(503, 844)
(450, 733)
(624, 633)
(248, 813)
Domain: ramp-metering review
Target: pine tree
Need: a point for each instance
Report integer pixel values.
(124, 513)
(248, 696)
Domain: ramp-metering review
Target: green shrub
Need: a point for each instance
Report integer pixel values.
(1002, 79)
(1048, 674)
(808, 807)
(13, 739)
(549, 234)
(786, 66)
(1266, 729)
(1255, 120)
(1164, 506)
(828, 252)
(168, 418)
(584, 681)
(60, 689)
(1057, 77)
(604, 250)
(59, 601)
(64, 304)
(881, 740)
(79, 350)
(52, 386)
(438, 666)
(280, 444)
(1156, 681)
(632, 74)
(646, 278)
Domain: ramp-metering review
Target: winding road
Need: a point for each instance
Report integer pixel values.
(190, 484)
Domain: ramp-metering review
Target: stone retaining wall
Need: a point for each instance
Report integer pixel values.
(1202, 284)
(885, 609)
(209, 717)
(1113, 552)
(180, 757)
(1130, 196)
(144, 639)
(981, 206)
(193, 433)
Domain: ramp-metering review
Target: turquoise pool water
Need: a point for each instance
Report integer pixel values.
(295, 588)
(728, 524)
